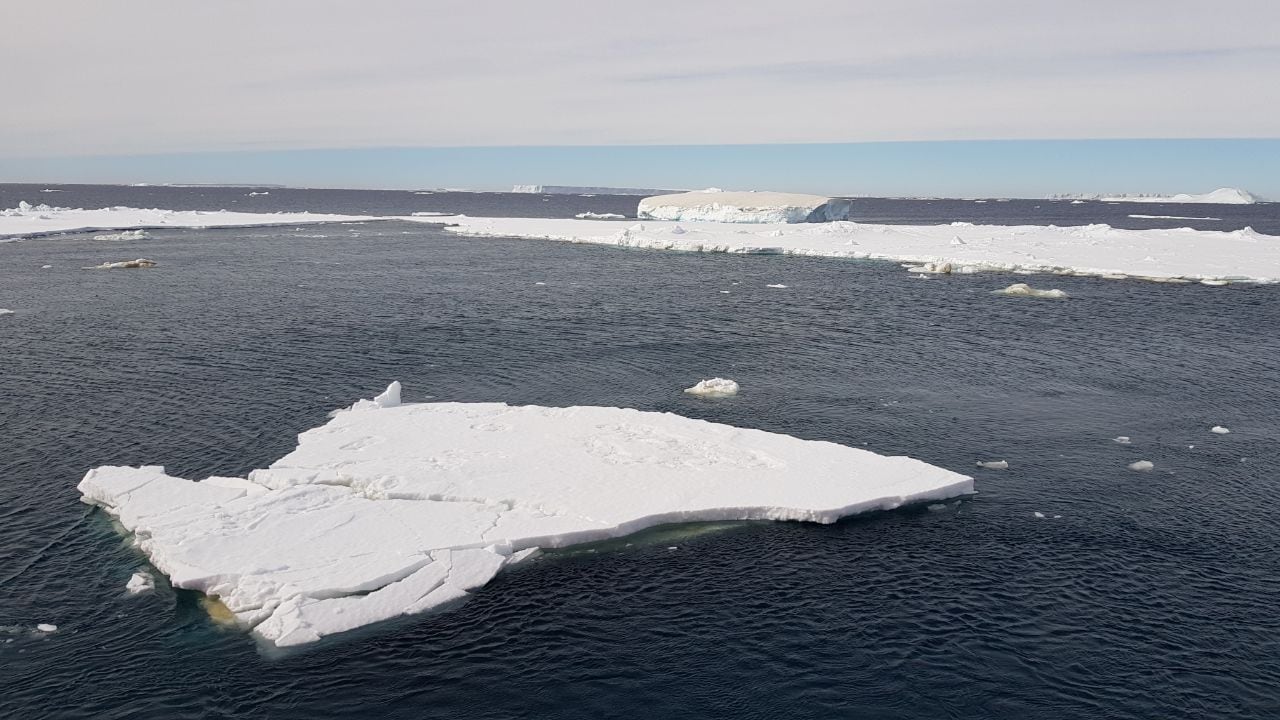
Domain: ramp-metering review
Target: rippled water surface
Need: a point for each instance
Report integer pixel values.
(1153, 595)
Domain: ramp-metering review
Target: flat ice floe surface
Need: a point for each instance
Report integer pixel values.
(1162, 254)
(393, 509)
(27, 219)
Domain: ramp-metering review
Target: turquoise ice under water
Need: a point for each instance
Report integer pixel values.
(1151, 596)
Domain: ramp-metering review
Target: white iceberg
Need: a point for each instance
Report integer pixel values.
(1025, 290)
(994, 464)
(6, 311)
(743, 207)
(47, 628)
(401, 508)
(1141, 465)
(1123, 440)
(715, 387)
(1219, 430)
(599, 216)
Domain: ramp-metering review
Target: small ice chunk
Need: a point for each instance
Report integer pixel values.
(1123, 440)
(1039, 514)
(1218, 429)
(45, 267)
(595, 216)
(715, 387)
(994, 464)
(779, 285)
(47, 627)
(140, 582)
(5, 311)
(539, 283)
(126, 264)
(1025, 290)
(124, 235)
(674, 547)
(936, 507)
(1141, 465)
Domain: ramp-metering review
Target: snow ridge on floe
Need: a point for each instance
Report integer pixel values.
(392, 509)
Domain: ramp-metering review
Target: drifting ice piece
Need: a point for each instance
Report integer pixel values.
(140, 582)
(1219, 430)
(743, 207)
(1141, 465)
(1025, 290)
(394, 509)
(715, 387)
(994, 464)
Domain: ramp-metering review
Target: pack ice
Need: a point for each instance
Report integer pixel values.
(392, 509)
(716, 205)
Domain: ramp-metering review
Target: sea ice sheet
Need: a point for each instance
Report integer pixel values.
(1167, 254)
(393, 509)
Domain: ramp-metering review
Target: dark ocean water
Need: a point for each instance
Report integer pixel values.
(1154, 594)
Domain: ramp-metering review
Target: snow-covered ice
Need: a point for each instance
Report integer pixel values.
(392, 509)
(1123, 440)
(140, 582)
(1218, 429)
(994, 464)
(717, 205)
(1141, 465)
(47, 628)
(1025, 290)
(6, 311)
(125, 235)
(1165, 254)
(715, 387)
(778, 286)
(29, 220)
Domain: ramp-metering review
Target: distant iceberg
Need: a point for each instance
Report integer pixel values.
(715, 205)
(583, 190)
(392, 509)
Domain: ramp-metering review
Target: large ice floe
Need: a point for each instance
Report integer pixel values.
(34, 220)
(716, 205)
(392, 509)
(1165, 254)
(1221, 196)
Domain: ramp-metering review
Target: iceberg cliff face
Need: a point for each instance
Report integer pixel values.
(743, 207)
(392, 509)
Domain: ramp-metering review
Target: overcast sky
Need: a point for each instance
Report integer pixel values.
(87, 77)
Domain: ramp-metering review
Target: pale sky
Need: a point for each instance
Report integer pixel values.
(87, 77)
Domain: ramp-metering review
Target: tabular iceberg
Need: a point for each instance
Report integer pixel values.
(394, 509)
(743, 207)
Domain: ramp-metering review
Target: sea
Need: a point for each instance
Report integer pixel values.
(1068, 586)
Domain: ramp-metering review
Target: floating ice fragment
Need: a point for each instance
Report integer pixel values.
(125, 264)
(1218, 429)
(1025, 290)
(140, 582)
(6, 311)
(45, 267)
(743, 207)
(994, 464)
(1123, 440)
(1039, 514)
(398, 509)
(125, 235)
(936, 507)
(715, 387)
(597, 216)
(779, 285)
(1141, 465)
(47, 628)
